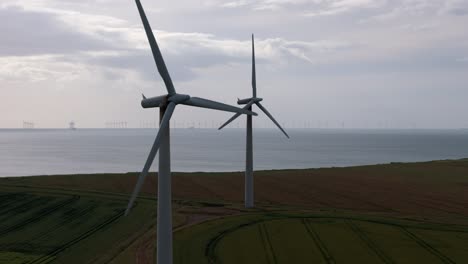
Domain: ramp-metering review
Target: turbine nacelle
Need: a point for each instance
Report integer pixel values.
(248, 100)
(159, 101)
(254, 100)
(154, 101)
(178, 98)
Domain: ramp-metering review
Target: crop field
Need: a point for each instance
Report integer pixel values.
(46, 226)
(293, 238)
(392, 213)
(56, 225)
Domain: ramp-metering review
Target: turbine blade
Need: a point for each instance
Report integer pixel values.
(254, 76)
(271, 117)
(235, 116)
(157, 142)
(205, 103)
(156, 52)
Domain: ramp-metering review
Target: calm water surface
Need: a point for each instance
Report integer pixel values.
(55, 151)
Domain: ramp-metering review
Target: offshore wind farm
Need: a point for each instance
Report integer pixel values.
(361, 156)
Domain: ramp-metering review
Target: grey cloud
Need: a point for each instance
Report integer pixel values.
(189, 51)
(142, 63)
(34, 33)
(459, 11)
(100, 45)
(315, 7)
(183, 58)
(456, 7)
(54, 33)
(181, 66)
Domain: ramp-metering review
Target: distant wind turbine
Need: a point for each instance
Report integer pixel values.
(248, 102)
(166, 104)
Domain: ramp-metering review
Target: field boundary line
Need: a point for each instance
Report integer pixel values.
(185, 226)
(371, 244)
(318, 242)
(383, 208)
(426, 205)
(66, 191)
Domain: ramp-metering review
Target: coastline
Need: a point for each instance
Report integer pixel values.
(241, 171)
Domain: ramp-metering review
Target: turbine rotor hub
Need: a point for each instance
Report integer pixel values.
(178, 98)
(248, 100)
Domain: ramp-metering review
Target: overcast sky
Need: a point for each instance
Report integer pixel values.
(364, 63)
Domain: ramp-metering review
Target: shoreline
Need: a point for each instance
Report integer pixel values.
(241, 171)
(243, 128)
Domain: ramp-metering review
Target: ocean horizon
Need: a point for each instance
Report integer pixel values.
(27, 152)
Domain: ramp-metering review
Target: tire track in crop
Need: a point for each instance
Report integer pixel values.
(210, 249)
(426, 246)
(10, 205)
(369, 242)
(105, 223)
(42, 213)
(267, 245)
(23, 206)
(318, 242)
(32, 244)
(10, 198)
(214, 241)
(69, 219)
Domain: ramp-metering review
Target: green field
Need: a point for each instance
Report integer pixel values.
(396, 213)
(293, 238)
(56, 226)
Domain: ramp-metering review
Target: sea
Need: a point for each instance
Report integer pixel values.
(25, 152)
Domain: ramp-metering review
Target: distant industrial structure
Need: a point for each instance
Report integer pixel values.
(149, 124)
(116, 124)
(28, 125)
(72, 125)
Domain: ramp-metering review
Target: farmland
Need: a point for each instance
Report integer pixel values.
(302, 238)
(392, 213)
(64, 227)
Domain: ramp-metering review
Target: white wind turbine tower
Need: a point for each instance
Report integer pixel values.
(166, 104)
(248, 102)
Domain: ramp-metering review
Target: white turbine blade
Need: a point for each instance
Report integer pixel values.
(271, 117)
(205, 103)
(156, 52)
(254, 77)
(235, 116)
(152, 154)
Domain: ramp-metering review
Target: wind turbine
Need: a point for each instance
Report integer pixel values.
(166, 104)
(248, 102)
